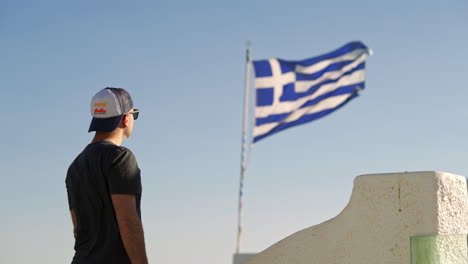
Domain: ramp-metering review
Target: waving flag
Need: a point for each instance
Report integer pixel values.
(291, 93)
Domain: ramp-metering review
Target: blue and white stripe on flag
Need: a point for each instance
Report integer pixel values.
(291, 93)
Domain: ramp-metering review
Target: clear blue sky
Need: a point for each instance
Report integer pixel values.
(183, 62)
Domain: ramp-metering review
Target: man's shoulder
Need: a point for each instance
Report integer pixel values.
(122, 149)
(123, 154)
(104, 152)
(114, 153)
(96, 151)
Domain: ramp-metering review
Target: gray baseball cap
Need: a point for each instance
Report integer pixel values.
(108, 107)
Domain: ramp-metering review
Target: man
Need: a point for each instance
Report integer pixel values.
(104, 187)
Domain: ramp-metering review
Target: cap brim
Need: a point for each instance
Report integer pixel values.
(105, 124)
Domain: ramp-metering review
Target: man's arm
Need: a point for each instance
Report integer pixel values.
(130, 227)
(73, 216)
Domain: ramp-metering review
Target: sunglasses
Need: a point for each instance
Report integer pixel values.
(135, 113)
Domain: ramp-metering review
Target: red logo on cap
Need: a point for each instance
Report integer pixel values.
(100, 108)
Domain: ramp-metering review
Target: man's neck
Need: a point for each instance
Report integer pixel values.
(111, 137)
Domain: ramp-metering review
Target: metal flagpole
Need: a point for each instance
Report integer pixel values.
(244, 145)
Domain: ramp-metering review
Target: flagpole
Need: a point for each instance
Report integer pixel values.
(243, 165)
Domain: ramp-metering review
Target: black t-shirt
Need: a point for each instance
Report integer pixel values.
(100, 170)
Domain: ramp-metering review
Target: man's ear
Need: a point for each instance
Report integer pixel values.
(125, 121)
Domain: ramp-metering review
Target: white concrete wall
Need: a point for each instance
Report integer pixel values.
(384, 211)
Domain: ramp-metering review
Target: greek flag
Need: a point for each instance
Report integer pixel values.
(291, 93)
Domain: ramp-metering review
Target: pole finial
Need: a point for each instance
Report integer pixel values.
(248, 44)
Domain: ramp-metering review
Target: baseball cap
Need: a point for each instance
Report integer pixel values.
(108, 107)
